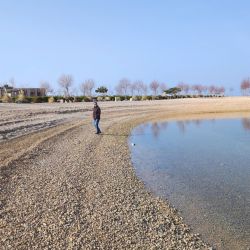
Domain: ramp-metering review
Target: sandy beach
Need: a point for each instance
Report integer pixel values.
(64, 187)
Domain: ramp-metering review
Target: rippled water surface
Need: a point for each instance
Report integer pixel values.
(203, 168)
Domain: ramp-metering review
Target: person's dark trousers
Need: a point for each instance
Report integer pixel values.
(96, 122)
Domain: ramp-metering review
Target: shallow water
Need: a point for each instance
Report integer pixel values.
(203, 168)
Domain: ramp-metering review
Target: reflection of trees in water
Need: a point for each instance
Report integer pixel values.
(155, 127)
(141, 129)
(183, 124)
(164, 125)
(197, 122)
(246, 123)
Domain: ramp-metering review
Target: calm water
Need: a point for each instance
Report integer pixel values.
(203, 168)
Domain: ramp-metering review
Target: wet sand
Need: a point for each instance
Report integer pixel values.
(63, 187)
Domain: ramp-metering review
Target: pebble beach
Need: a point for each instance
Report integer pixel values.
(64, 187)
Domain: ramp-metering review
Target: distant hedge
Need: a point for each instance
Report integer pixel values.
(45, 99)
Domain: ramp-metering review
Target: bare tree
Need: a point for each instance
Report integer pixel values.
(163, 87)
(181, 86)
(84, 88)
(205, 89)
(184, 87)
(123, 86)
(66, 81)
(118, 89)
(195, 88)
(91, 85)
(144, 88)
(212, 89)
(46, 85)
(140, 87)
(132, 88)
(220, 90)
(137, 86)
(245, 86)
(87, 87)
(154, 85)
(200, 89)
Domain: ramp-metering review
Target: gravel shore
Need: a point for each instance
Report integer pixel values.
(66, 188)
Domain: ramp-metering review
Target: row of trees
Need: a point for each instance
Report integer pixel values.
(66, 82)
(126, 87)
(201, 89)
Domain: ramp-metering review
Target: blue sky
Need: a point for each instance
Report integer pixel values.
(195, 41)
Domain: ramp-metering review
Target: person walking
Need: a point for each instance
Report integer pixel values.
(96, 117)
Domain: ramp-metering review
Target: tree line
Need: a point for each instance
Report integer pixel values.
(126, 87)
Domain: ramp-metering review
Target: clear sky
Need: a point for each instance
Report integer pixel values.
(194, 41)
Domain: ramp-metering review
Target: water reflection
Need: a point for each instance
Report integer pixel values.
(140, 130)
(183, 125)
(158, 127)
(208, 179)
(155, 127)
(246, 123)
